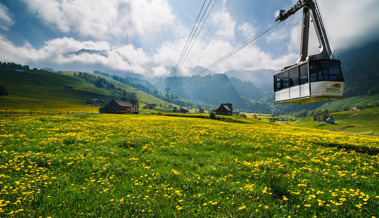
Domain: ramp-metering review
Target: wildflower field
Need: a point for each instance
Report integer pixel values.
(161, 166)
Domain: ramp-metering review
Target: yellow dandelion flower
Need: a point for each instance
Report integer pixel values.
(241, 208)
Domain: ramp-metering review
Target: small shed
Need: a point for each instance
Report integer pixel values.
(225, 109)
(357, 108)
(120, 107)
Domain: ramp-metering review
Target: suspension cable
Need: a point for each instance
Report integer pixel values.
(190, 35)
(235, 50)
(197, 35)
(194, 33)
(239, 47)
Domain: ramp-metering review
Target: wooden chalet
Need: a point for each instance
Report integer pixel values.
(120, 107)
(225, 109)
(184, 111)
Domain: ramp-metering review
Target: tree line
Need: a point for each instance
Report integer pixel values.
(152, 90)
(101, 82)
(11, 65)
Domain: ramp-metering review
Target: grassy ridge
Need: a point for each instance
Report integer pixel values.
(347, 103)
(160, 166)
(361, 122)
(38, 90)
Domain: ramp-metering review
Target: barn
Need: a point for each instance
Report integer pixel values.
(225, 109)
(120, 107)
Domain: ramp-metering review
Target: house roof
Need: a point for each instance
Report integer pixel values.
(126, 103)
(224, 107)
(227, 107)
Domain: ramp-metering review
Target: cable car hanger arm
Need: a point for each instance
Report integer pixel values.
(310, 8)
(282, 15)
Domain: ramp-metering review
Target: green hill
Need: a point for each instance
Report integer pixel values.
(32, 89)
(347, 103)
(360, 70)
(358, 122)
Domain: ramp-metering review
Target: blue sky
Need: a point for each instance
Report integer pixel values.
(148, 36)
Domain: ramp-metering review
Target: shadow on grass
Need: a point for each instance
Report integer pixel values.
(347, 147)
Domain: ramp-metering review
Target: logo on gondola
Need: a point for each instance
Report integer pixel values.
(334, 89)
(337, 85)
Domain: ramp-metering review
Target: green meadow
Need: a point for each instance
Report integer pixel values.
(167, 166)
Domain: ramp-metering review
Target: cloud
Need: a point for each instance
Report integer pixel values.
(350, 22)
(247, 29)
(253, 58)
(249, 58)
(100, 19)
(278, 35)
(5, 17)
(225, 26)
(60, 53)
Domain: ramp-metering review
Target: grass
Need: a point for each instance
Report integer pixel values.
(358, 122)
(166, 166)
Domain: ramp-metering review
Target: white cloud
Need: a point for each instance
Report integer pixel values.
(104, 19)
(60, 53)
(5, 17)
(226, 26)
(249, 58)
(278, 35)
(254, 58)
(350, 22)
(247, 30)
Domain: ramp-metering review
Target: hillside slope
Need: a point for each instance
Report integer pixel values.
(41, 89)
(359, 122)
(360, 70)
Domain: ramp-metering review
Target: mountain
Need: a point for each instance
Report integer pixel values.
(88, 51)
(361, 71)
(247, 89)
(210, 89)
(262, 79)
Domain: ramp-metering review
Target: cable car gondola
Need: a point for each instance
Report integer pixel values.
(313, 78)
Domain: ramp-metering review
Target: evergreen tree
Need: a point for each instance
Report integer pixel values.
(3, 91)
